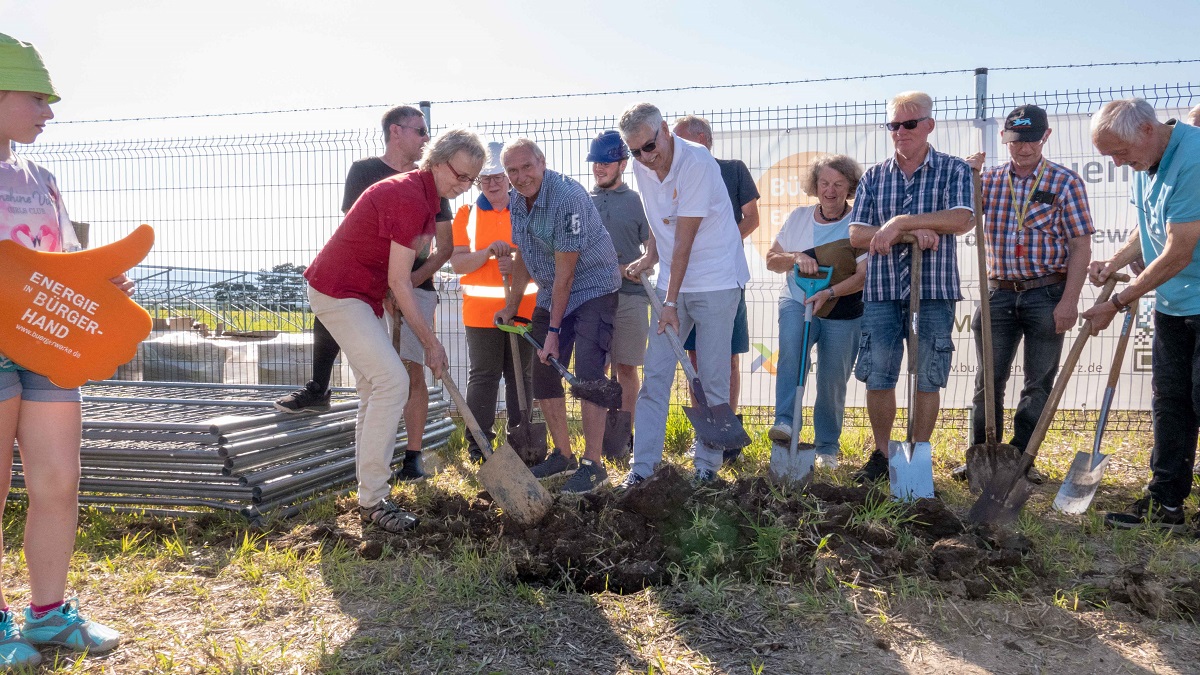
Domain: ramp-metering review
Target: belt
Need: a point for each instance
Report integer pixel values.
(1022, 285)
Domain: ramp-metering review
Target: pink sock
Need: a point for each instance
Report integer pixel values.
(39, 611)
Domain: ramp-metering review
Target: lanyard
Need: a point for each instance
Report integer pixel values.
(1023, 210)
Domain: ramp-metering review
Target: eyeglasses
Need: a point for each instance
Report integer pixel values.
(649, 147)
(495, 178)
(421, 131)
(907, 124)
(460, 177)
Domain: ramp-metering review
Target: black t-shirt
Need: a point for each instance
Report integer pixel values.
(742, 189)
(366, 172)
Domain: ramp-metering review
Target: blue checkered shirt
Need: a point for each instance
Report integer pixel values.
(564, 219)
(941, 183)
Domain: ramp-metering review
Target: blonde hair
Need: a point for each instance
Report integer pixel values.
(915, 101)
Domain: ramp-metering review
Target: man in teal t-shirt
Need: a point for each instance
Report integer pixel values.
(1166, 194)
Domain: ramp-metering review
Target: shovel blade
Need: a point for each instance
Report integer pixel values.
(792, 468)
(604, 392)
(618, 431)
(528, 439)
(910, 470)
(1003, 497)
(1079, 487)
(983, 460)
(717, 426)
(513, 487)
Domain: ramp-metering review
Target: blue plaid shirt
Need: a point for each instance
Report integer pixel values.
(941, 183)
(564, 219)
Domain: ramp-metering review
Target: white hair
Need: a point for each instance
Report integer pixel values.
(916, 101)
(639, 115)
(518, 143)
(1124, 118)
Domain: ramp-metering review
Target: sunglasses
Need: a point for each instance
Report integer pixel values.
(649, 147)
(907, 124)
(460, 177)
(421, 131)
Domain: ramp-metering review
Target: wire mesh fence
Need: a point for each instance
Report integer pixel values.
(238, 217)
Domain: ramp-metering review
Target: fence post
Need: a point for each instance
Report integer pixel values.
(425, 105)
(981, 93)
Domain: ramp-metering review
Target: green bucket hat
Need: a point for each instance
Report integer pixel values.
(21, 69)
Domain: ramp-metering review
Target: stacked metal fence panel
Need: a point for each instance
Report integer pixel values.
(167, 446)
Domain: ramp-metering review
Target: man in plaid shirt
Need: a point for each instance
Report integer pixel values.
(1039, 243)
(926, 194)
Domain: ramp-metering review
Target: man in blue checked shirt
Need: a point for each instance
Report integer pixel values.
(926, 194)
(1038, 232)
(563, 246)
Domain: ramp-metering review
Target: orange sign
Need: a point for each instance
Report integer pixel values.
(782, 190)
(62, 317)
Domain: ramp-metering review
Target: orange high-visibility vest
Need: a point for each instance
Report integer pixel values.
(483, 289)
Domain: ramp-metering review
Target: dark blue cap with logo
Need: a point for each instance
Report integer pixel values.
(1026, 124)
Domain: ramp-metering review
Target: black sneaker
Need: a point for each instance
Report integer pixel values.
(591, 475)
(474, 454)
(631, 479)
(388, 517)
(555, 464)
(308, 399)
(1147, 512)
(959, 473)
(729, 457)
(411, 470)
(875, 468)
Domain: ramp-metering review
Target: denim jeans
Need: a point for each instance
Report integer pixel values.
(1175, 384)
(837, 346)
(490, 358)
(1028, 315)
(885, 328)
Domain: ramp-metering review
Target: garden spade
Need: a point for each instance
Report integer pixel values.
(503, 474)
(1086, 470)
(618, 431)
(1010, 486)
(910, 464)
(794, 463)
(528, 438)
(715, 426)
(981, 457)
(603, 392)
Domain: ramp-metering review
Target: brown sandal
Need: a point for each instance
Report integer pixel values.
(388, 517)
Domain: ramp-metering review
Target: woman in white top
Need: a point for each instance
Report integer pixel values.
(813, 236)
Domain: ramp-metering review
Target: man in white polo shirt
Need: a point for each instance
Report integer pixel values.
(701, 279)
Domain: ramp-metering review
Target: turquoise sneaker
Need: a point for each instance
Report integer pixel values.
(15, 650)
(64, 627)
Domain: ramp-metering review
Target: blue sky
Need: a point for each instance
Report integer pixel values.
(152, 58)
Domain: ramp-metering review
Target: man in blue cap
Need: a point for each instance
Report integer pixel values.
(621, 210)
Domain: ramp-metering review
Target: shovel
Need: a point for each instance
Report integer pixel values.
(715, 426)
(618, 429)
(979, 456)
(1086, 470)
(794, 463)
(604, 392)
(1010, 487)
(528, 438)
(910, 464)
(503, 474)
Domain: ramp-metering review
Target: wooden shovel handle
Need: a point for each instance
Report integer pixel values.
(1064, 374)
(985, 315)
(518, 366)
(468, 417)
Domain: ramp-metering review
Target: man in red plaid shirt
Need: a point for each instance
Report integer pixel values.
(1038, 233)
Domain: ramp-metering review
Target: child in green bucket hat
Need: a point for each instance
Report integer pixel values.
(44, 420)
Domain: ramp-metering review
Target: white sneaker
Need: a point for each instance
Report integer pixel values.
(780, 433)
(824, 461)
(691, 451)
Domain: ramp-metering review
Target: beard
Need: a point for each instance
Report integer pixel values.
(610, 183)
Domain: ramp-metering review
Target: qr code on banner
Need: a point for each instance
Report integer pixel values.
(1143, 336)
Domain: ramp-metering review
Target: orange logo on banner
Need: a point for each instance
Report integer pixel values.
(781, 190)
(63, 318)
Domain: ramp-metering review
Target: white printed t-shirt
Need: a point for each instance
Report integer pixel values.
(693, 188)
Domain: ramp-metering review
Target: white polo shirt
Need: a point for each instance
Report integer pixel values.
(693, 188)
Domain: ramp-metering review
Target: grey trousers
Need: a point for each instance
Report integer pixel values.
(712, 313)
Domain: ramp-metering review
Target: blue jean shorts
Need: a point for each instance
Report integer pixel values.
(881, 349)
(29, 386)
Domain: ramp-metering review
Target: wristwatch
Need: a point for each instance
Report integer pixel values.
(832, 293)
(554, 330)
(670, 303)
(1116, 302)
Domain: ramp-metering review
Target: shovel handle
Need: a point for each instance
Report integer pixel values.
(520, 326)
(985, 315)
(676, 345)
(468, 417)
(1064, 376)
(914, 331)
(1114, 373)
(518, 366)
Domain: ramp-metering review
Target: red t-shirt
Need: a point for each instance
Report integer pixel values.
(354, 262)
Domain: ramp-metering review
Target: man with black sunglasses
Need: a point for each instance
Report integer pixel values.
(703, 272)
(926, 194)
(404, 136)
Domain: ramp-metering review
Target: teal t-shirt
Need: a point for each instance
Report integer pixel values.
(1172, 195)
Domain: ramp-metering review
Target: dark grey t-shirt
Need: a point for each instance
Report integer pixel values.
(740, 184)
(625, 219)
(366, 172)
